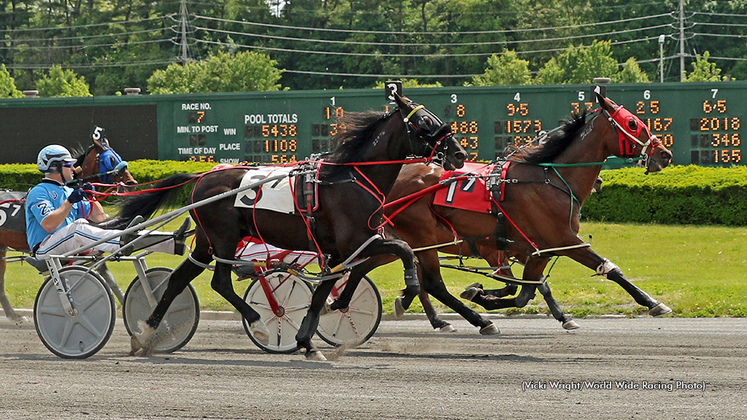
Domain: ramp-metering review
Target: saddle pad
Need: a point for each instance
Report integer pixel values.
(467, 194)
(274, 195)
(12, 215)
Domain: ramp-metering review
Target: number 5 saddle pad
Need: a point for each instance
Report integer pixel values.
(275, 195)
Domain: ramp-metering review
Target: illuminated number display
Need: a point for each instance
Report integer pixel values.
(322, 135)
(520, 129)
(650, 112)
(699, 123)
(271, 143)
(715, 136)
(465, 130)
(199, 128)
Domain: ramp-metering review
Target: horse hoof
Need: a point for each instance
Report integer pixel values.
(260, 332)
(20, 320)
(571, 325)
(448, 328)
(660, 309)
(469, 293)
(489, 329)
(315, 355)
(399, 310)
(135, 346)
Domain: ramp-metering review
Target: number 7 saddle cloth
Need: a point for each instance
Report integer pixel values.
(474, 188)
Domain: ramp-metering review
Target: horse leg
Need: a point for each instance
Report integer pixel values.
(142, 343)
(557, 313)
(434, 285)
(112, 282)
(311, 321)
(377, 249)
(611, 271)
(436, 322)
(10, 313)
(222, 284)
(509, 290)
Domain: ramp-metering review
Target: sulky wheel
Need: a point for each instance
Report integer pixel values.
(282, 302)
(358, 322)
(86, 330)
(180, 322)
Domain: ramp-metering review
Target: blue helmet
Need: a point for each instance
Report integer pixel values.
(51, 155)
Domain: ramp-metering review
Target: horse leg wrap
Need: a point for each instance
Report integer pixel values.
(543, 288)
(526, 294)
(606, 267)
(411, 277)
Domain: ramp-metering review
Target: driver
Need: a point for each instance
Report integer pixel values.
(57, 216)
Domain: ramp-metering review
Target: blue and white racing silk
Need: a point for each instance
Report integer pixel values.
(43, 199)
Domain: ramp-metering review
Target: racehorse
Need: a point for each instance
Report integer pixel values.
(544, 188)
(352, 184)
(98, 163)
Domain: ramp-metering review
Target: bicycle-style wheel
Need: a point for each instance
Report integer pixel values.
(356, 323)
(87, 330)
(180, 322)
(293, 297)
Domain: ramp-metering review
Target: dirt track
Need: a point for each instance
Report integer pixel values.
(405, 371)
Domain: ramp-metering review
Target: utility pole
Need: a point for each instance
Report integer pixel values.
(183, 29)
(682, 40)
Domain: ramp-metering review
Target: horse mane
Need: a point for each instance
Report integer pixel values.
(79, 153)
(556, 142)
(354, 141)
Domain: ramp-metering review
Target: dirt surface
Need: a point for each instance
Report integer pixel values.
(617, 368)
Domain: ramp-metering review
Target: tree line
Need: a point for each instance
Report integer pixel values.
(97, 47)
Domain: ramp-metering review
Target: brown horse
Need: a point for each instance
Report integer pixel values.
(352, 183)
(544, 190)
(13, 224)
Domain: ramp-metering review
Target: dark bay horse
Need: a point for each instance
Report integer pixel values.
(352, 184)
(545, 188)
(97, 165)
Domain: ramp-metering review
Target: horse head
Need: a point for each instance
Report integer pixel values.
(429, 136)
(634, 139)
(102, 162)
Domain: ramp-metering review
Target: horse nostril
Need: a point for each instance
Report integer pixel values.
(666, 155)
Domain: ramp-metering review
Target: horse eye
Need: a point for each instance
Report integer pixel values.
(424, 123)
(632, 124)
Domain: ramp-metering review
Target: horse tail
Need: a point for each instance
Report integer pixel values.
(163, 194)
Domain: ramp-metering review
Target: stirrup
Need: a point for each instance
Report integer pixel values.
(126, 239)
(180, 236)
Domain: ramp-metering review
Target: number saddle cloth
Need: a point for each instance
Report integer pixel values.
(12, 215)
(291, 194)
(479, 188)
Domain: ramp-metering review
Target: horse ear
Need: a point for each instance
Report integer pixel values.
(402, 101)
(98, 145)
(606, 103)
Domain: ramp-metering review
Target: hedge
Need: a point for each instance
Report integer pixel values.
(677, 195)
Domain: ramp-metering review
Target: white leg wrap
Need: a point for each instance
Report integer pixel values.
(605, 267)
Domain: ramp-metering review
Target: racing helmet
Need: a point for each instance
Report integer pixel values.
(52, 155)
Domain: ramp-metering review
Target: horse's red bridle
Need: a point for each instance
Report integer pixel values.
(627, 136)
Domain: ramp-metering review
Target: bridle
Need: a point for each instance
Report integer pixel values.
(417, 122)
(628, 140)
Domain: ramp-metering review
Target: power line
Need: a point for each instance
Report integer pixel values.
(82, 37)
(429, 44)
(353, 31)
(92, 25)
(85, 46)
(398, 76)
